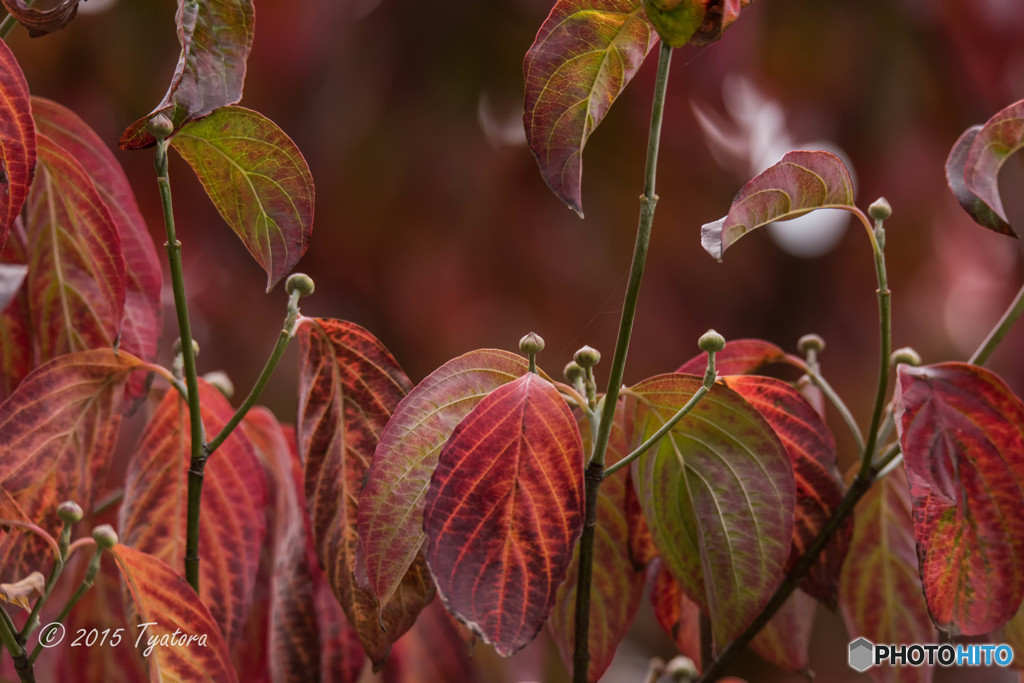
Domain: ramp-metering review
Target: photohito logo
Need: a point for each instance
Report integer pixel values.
(864, 654)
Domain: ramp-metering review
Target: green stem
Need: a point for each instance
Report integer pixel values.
(8, 634)
(885, 332)
(198, 459)
(839, 404)
(87, 582)
(581, 655)
(287, 332)
(10, 22)
(1011, 315)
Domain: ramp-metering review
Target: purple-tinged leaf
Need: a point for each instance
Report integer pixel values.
(799, 183)
(1001, 136)
(259, 182)
(17, 141)
(39, 22)
(718, 494)
(504, 511)
(676, 613)
(786, 638)
(880, 587)
(216, 37)
(956, 166)
(743, 357)
(392, 500)
(962, 434)
(584, 55)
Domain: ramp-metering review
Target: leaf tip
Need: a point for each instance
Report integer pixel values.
(711, 238)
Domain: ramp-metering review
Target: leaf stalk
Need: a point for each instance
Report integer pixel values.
(1013, 312)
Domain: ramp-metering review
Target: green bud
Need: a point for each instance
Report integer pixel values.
(675, 20)
(299, 282)
(681, 669)
(69, 512)
(588, 357)
(907, 356)
(105, 536)
(574, 372)
(810, 343)
(880, 209)
(160, 126)
(531, 344)
(711, 341)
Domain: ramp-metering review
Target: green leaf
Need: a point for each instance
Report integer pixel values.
(504, 511)
(799, 183)
(259, 182)
(1001, 136)
(216, 37)
(718, 494)
(584, 55)
(17, 141)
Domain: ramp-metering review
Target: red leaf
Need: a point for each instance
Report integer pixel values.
(432, 651)
(76, 276)
(584, 55)
(960, 430)
(617, 583)
(258, 180)
(785, 639)
(956, 166)
(215, 37)
(58, 432)
(717, 492)
(1001, 136)
(40, 22)
(349, 384)
(880, 587)
(720, 15)
(141, 326)
(164, 599)
(504, 510)
(16, 344)
(801, 182)
(677, 614)
(743, 357)
(309, 637)
(819, 486)
(391, 502)
(17, 141)
(231, 524)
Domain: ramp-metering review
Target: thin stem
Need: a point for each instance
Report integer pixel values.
(837, 402)
(10, 22)
(198, 459)
(87, 582)
(885, 332)
(1011, 315)
(581, 654)
(8, 634)
(287, 332)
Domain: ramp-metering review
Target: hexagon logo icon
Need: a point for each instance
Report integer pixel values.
(862, 654)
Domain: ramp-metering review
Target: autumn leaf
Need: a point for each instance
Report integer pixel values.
(349, 385)
(582, 58)
(800, 182)
(785, 639)
(432, 651)
(17, 141)
(391, 503)
(720, 15)
(994, 142)
(742, 357)
(163, 600)
(676, 613)
(962, 434)
(216, 37)
(39, 22)
(19, 592)
(956, 167)
(717, 491)
(232, 527)
(504, 511)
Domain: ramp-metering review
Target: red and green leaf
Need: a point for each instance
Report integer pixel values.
(259, 182)
(819, 486)
(993, 143)
(76, 277)
(785, 639)
(880, 586)
(232, 527)
(956, 167)
(392, 500)
(799, 183)
(582, 58)
(57, 435)
(163, 599)
(717, 492)
(141, 326)
(962, 434)
(349, 385)
(216, 37)
(743, 357)
(17, 141)
(504, 511)
(39, 22)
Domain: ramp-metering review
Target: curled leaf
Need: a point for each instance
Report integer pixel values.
(800, 182)
(19, 592)
(584, 55)
(1001, 136)
(956, 166)
(39, 22)
(719, 16)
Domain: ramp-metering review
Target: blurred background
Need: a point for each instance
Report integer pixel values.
(435, 231)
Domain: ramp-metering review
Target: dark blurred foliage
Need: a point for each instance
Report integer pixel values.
(435, 231)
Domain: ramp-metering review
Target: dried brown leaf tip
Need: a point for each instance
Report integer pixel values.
(19, 592)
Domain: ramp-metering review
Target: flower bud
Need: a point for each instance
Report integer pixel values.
(573, 372)
(907, 356)
(681, 669)
(531, 344)
(69, 512)
(221, 382)
(588, 357)
(880, 210)
(160, 126)
(711, 341)
(176, 347)
(105, 536)
(299, 282)
(810, 343)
